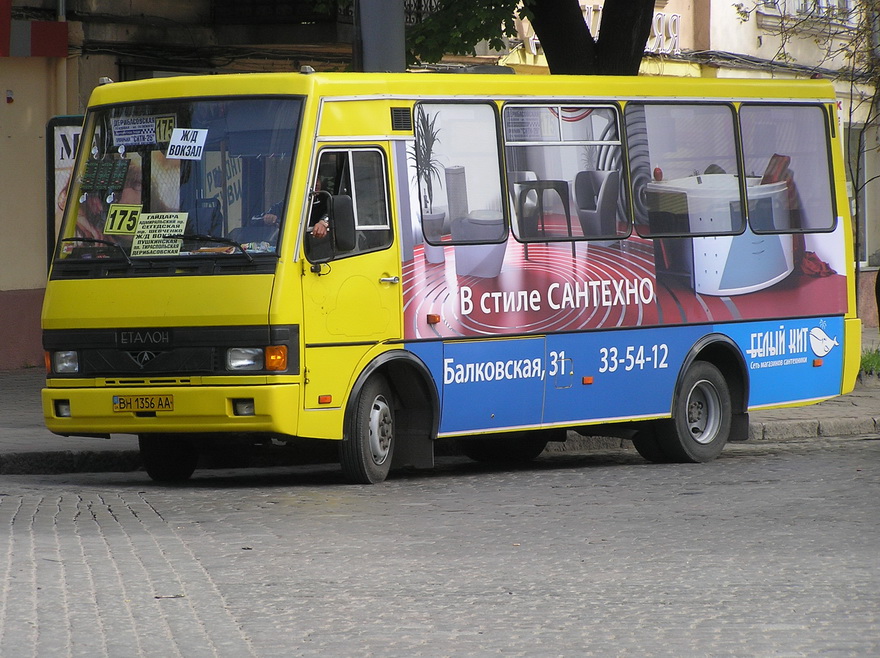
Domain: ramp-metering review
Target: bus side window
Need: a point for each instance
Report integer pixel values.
(371, 202)
(458, 165)
(684, 169)
(360, 175)
(565, 175)
(785, 148)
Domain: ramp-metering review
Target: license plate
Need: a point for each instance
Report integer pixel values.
(143, 403)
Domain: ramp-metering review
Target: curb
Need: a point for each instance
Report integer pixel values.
(782, 430)
(61, 462)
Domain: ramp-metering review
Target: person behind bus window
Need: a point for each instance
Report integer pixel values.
(271, 217)
(319, 222)
(318, 244)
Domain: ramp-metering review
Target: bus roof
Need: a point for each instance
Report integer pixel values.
(446, 85)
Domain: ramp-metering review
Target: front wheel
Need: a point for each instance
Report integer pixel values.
(701, 417)
(168, 457)
(366, 454)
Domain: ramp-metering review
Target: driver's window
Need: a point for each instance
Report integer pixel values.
(361, 175)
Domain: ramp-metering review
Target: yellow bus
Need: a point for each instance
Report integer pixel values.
(389, 260)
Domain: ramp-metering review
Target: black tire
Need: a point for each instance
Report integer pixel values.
(168, 457)
(505, 449)
(701, 417)
(648, 446)
(367, 453)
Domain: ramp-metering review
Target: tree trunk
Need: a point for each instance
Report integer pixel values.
(564, 35)
(623, 33)
(571, 49)
(877, 296)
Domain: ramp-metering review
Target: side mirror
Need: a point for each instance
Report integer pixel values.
(341, 214)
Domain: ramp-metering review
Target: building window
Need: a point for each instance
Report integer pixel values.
(862, 165)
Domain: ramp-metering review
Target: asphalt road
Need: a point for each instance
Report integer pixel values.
(772, 550)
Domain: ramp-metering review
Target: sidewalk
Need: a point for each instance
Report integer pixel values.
(26, 446)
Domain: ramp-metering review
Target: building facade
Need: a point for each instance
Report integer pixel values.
(54, 52)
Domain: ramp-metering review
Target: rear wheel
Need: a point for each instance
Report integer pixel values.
(366, 455)
(510, 449)
(168, 457)
(701, 418)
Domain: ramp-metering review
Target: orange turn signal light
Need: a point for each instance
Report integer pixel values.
(276, 357)
(325, 399)
(433, 318)
(586, 380)
(817, 363)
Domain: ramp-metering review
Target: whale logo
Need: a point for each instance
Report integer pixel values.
(820, 342)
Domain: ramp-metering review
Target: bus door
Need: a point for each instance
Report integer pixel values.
(351, 298)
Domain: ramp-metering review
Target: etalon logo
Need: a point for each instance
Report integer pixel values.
(142, 358)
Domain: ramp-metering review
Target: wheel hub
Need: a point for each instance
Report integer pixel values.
(381, 430)
(704, 412)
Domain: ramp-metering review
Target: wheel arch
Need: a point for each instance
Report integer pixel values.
(722, 352)
(417, 405)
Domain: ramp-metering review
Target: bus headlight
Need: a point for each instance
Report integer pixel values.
(65, 361)
(244, 358)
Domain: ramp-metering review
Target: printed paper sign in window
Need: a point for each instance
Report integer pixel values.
(187, 143)
(150, 240)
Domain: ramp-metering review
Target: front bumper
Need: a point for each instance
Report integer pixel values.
(197, 409)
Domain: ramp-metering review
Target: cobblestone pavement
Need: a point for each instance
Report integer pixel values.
(772, 550)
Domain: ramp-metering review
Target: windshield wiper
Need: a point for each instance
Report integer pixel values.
(99, 241)
(201, 237)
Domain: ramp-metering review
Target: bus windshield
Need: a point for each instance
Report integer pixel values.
(192, 179)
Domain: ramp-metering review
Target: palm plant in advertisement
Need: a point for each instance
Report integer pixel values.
(429, 169)
(428, 166)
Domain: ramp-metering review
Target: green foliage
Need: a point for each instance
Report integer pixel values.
(743, 13)
(871, 361)
(458, 26)
(333, 8)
